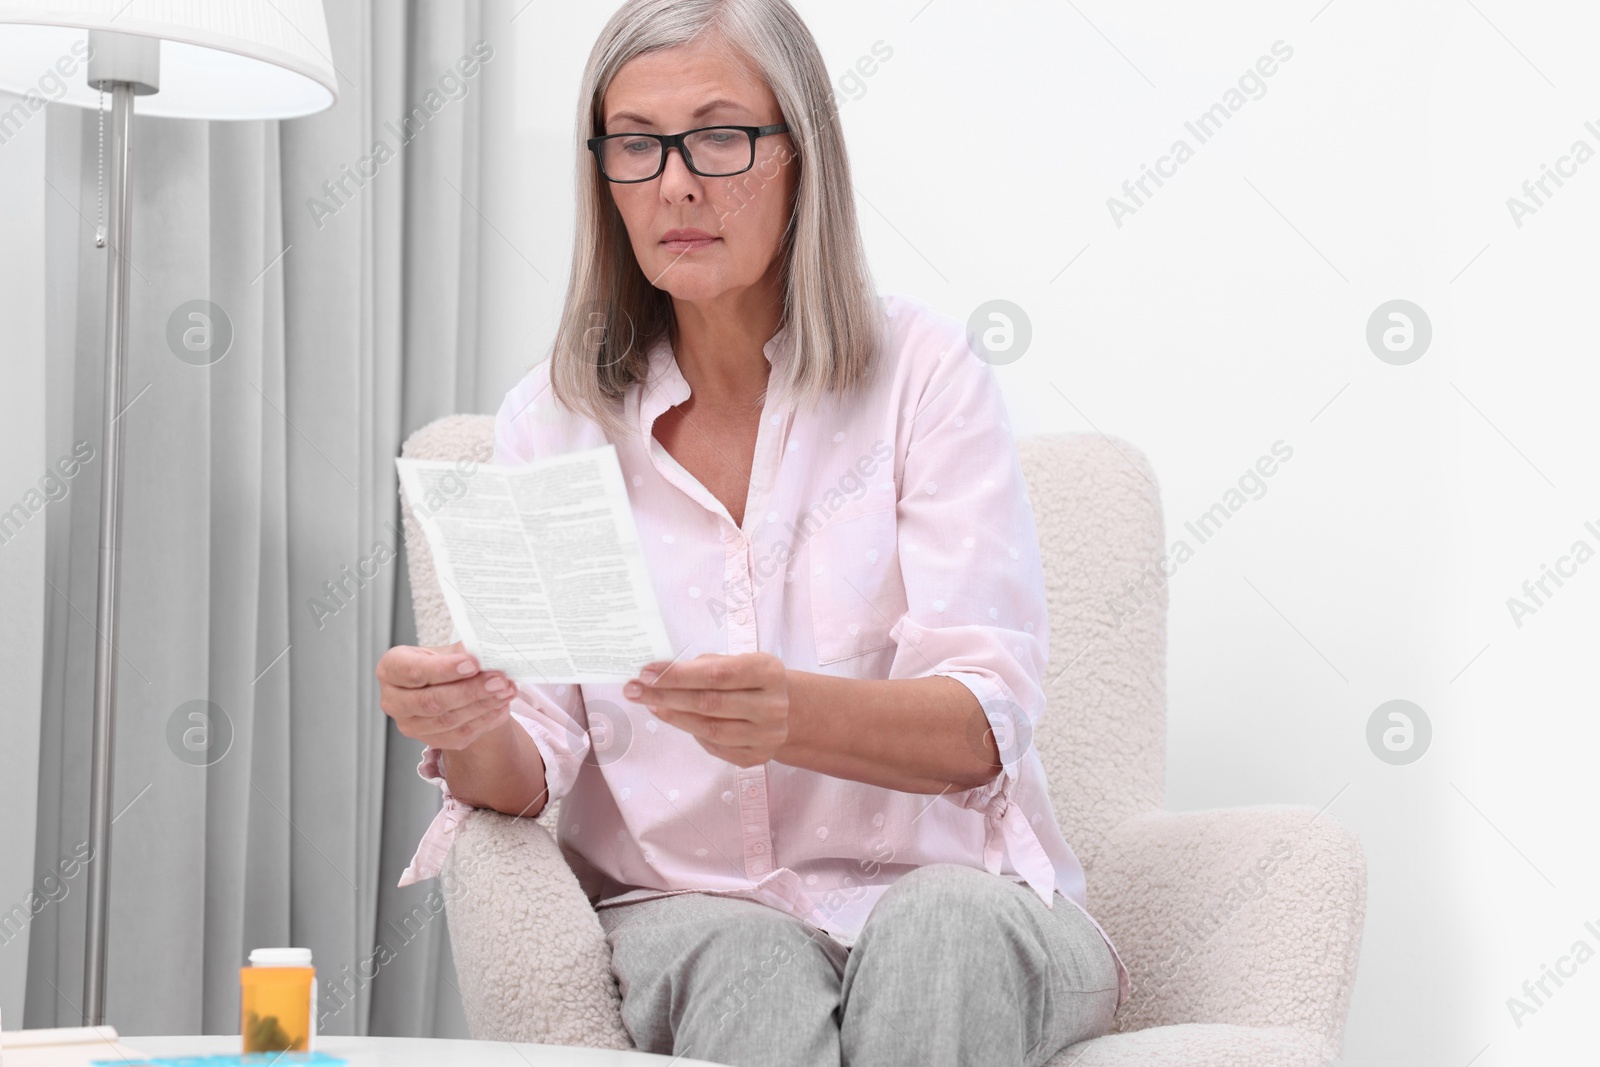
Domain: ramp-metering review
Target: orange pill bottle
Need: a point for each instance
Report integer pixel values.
(278, 1001)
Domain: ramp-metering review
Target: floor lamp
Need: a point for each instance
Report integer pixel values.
(195, 59)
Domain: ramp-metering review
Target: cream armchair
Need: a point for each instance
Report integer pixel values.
(1240, 928)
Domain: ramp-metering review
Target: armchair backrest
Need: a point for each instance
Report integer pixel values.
(1103, 738)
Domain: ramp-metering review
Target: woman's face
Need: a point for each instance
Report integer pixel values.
(680, 89)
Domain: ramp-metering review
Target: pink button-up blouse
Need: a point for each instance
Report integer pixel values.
(889, 535)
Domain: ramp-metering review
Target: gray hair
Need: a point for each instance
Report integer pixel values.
(613, 315)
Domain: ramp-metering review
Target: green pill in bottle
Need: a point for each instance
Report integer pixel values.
(278, 1001)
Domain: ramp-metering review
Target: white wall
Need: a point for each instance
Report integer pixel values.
(1226, 314)
(22, 463)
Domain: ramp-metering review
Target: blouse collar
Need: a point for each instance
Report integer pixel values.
(666, 386)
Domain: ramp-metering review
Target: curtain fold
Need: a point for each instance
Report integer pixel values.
(262, 797)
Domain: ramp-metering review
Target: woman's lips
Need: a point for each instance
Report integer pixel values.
(690, 245)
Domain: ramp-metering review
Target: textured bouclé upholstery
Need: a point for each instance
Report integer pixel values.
(1240, 928)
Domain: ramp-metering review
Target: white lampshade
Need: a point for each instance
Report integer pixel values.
(220, 59)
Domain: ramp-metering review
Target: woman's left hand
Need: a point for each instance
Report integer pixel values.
(736, 706)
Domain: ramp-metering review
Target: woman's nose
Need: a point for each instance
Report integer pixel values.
(677, 174)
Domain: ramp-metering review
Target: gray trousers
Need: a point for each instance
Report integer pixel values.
(954, 966)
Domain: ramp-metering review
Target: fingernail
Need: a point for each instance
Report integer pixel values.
(649, 674)
(496, 685)
(633, 689)
(466, 666)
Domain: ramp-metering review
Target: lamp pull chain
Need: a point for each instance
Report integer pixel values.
(100, 181)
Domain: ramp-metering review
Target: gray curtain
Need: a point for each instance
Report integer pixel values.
(285, 815)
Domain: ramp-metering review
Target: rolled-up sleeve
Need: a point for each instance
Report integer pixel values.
(974, 580)
(555, 717)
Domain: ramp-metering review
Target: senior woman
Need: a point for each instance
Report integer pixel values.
(818, 835)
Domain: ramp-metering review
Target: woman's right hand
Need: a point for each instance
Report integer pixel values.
(440, 697)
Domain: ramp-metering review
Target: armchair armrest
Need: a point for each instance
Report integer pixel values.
(531, 957)
(1250, 916)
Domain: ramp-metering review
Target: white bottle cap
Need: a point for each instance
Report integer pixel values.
(280, 957)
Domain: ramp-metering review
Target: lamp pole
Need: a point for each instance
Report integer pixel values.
(124, 66)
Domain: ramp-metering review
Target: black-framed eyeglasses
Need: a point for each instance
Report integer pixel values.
(710, 151)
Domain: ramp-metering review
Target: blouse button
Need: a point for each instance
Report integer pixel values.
(752, 792)
(760, 846)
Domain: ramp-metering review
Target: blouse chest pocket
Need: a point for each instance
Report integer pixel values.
(857, 593)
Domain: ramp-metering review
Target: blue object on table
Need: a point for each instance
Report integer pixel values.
(230, 1059)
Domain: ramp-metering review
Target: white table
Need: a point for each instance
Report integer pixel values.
(425, 1052)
